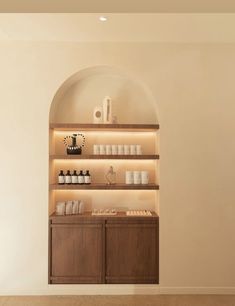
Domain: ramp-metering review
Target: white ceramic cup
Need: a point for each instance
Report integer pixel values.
(75, 209)
(133, 149)
(60, 208)
(120, 149)
(96, 149)
(69, 208)
(114, 149)
(108, 149)
(129, 177)
(102, 149)
(137, 177)
(126, 149)
(138, 150)
(144, 177)
(81, 207)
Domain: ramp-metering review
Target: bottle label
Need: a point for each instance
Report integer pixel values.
(74, 179)
(68, 179)
(80, 179)
(87, 179)
(61, 179)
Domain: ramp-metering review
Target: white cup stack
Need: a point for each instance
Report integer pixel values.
(121, 149)
(114, 149)
(69, 208)
(108, 149)
(102, 149)
(137, 177)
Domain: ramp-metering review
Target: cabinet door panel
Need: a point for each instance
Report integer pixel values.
(132, 253)
(77, 255)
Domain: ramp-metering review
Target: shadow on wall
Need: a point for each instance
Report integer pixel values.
(75, 100)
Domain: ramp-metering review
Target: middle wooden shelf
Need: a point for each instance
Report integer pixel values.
(95, 186)
(131, 157)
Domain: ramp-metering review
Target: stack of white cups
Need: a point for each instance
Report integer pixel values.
(137, 177)
(69, 208)
(115, 149)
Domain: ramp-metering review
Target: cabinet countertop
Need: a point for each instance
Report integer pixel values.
(87, 216)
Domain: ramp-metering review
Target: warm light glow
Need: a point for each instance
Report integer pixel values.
(107, 133)
(103, 18)
(94, 162)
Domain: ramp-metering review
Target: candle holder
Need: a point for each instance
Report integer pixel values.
(74, 148)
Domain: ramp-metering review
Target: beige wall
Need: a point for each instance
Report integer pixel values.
(193, 85)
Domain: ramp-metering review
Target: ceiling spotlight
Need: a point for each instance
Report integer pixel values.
(103, 18)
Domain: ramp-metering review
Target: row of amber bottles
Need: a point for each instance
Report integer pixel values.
(74, 178)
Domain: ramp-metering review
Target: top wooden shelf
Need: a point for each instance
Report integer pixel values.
(103, 127)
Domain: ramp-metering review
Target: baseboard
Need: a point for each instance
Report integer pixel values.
(196, 290)
(118, 290)
(88, 290)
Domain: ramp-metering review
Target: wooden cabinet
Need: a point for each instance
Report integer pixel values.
(117, 249)
(77, 252)
(131, 252)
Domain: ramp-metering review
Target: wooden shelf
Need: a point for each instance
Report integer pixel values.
(88, 215)
(129, 157)
(104, 187)
(103, 127)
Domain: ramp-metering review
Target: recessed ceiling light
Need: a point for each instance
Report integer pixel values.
(103, 18)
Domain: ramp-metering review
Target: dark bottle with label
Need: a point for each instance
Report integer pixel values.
(61, 178)
(74, 177)
(81, 178)
(68, 178)
(87, 177)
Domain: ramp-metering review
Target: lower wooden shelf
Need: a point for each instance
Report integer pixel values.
(104, 187)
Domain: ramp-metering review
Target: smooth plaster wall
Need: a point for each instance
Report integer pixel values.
(193, 85)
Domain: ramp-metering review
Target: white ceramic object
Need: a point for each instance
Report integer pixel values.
(69, 208)
(126, 149)
(96, 149)
(75, 209)
(60, 208)
(144, 177)
(107, 110)
(102, 149)
(129, 177)
(133, 149)
(81, 207)
(120, 150)
(108, 149)
(97, 115)
(138, 150)
(114, 149)
(137, 177)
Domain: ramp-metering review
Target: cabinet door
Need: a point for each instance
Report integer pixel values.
(77, 253)
(132, 252)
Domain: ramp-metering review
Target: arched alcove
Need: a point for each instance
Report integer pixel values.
(132, 101)
(134, 188)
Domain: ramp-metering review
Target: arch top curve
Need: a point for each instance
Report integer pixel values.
(76, 98)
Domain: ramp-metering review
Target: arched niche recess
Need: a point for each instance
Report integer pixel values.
(76, 98)
(135, 108)
(133, 103)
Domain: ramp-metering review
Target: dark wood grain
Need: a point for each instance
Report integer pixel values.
(104, 187)
(78, 157)
(105, 127)
(109, 249)
(77, 253)
(131, 252)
